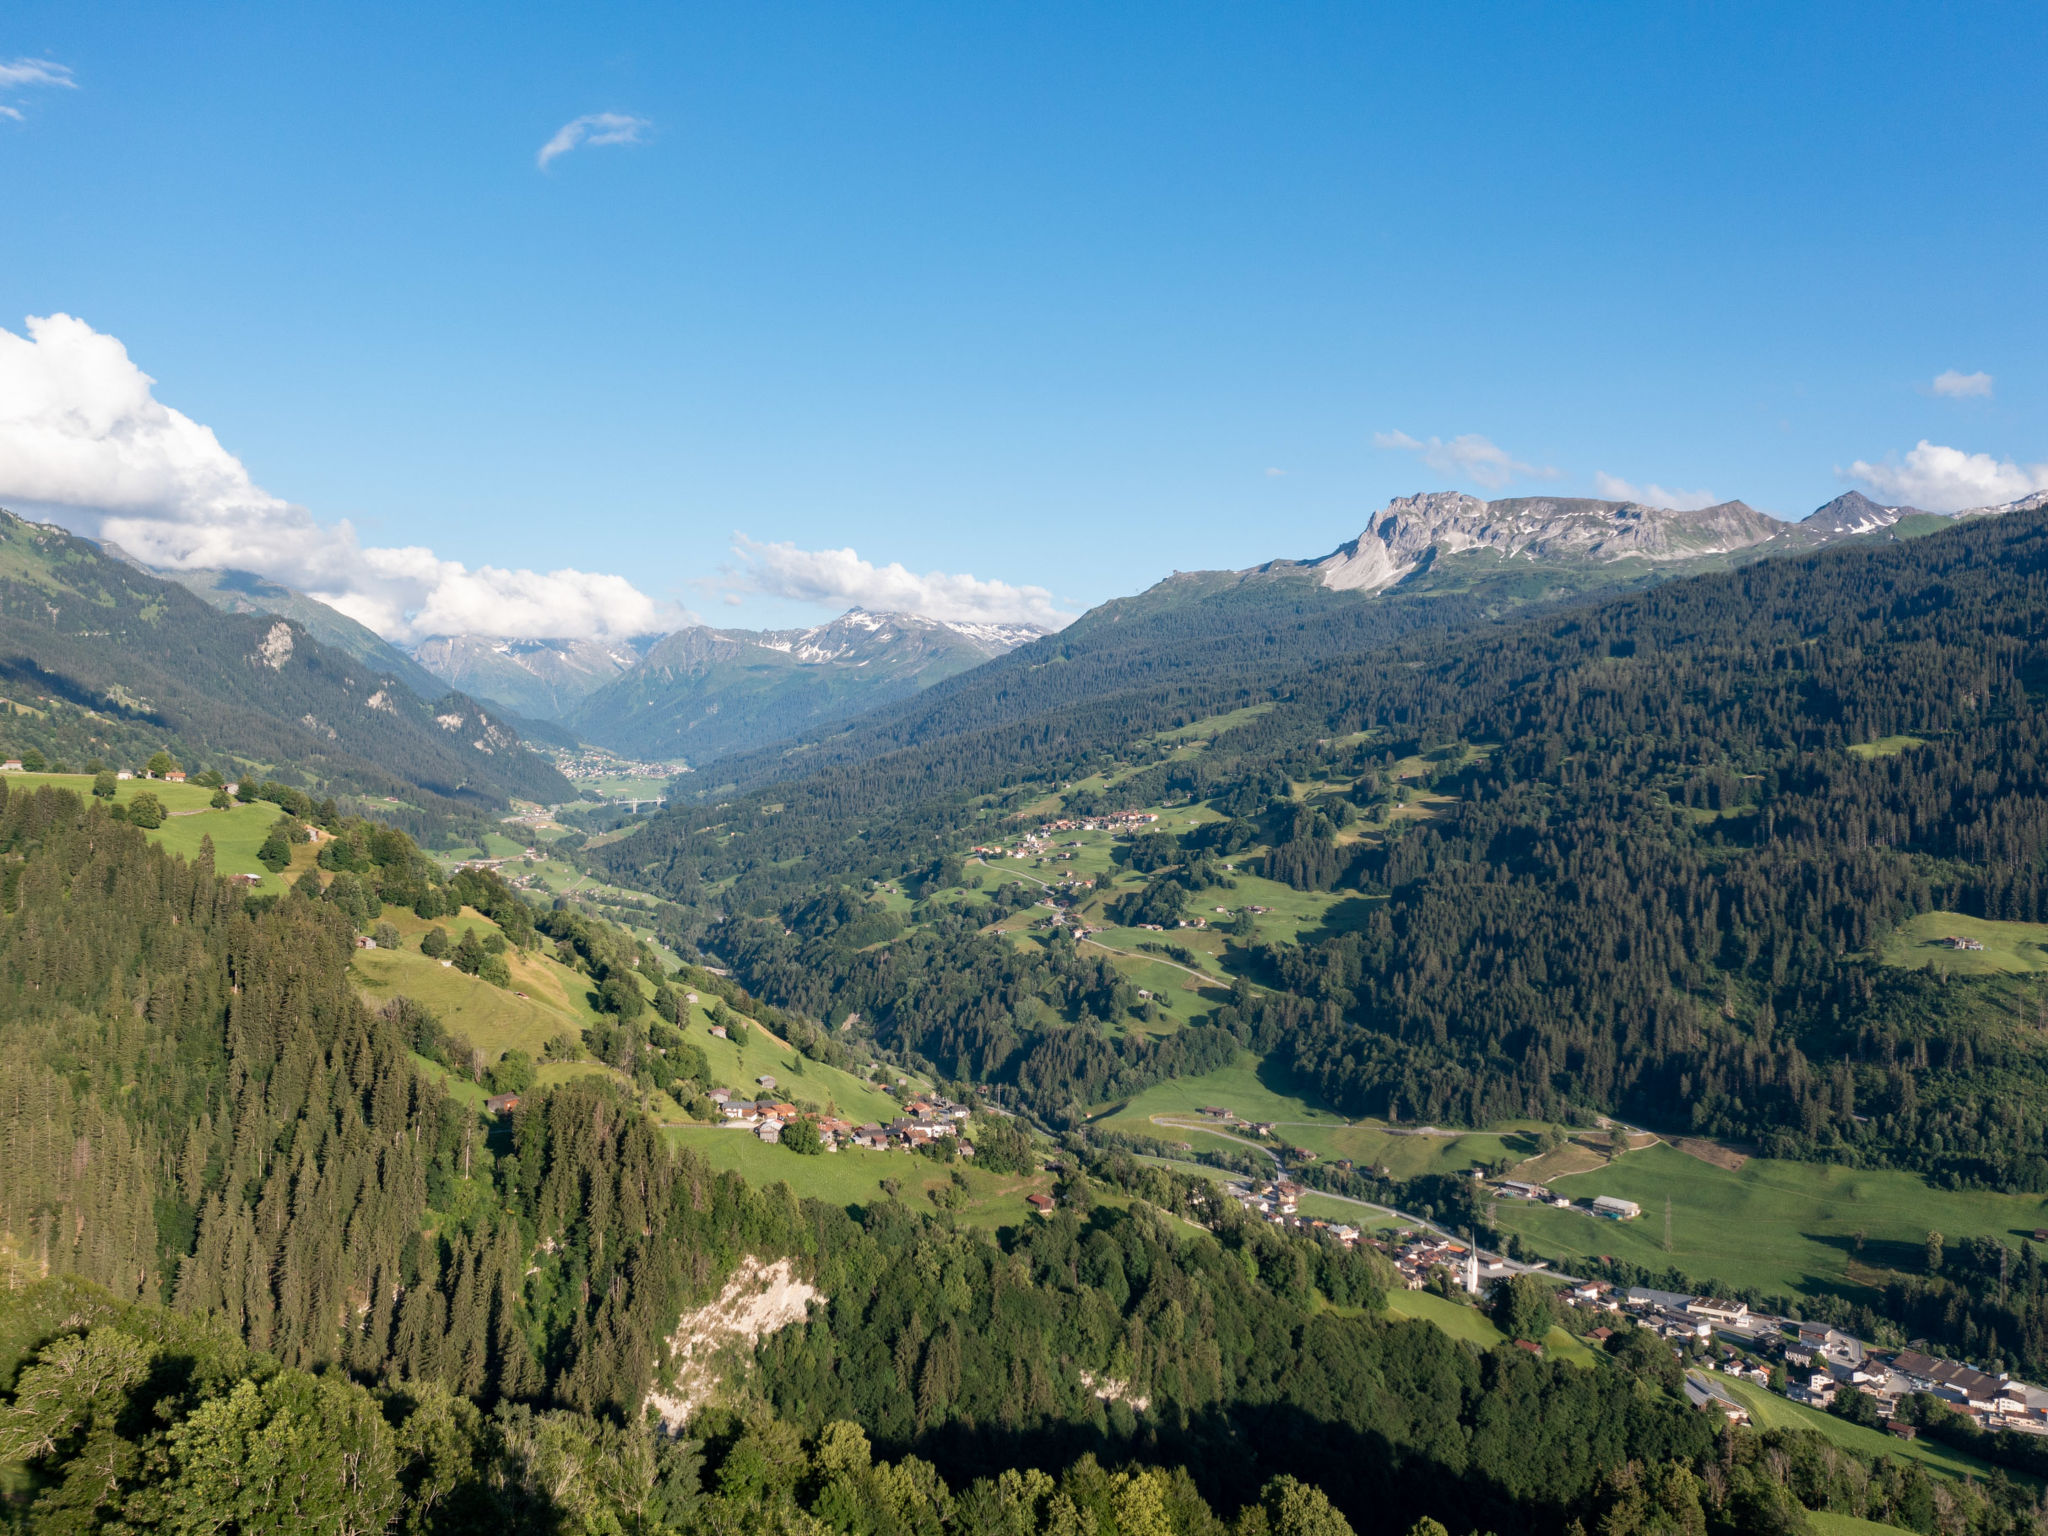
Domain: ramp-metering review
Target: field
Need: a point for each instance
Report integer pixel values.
(854, 1177)
(1825, 1524)
(2009, 948)
(1886, 746)
(1257, 1092)
(797, 1078)
(1769, 1411)
(1780, 1227)
(1475, 1327)
(494, 1019)
(236, 833)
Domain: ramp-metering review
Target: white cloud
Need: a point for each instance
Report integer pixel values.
(841, 576)
(1947, 479)
(1276, 474)
(593, 128)
(1961, 386)
(85, 442)
(17, 74)
(1651, 494)
(1476, 458)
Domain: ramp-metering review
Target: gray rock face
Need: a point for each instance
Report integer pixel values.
(1854, 512)
(1410, 531)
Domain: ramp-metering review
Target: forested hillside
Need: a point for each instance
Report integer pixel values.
(103, 660)
(265, 1273)
(1659, 844)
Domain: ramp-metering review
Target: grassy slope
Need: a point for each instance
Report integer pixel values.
(1778, 1226)
(1769, 1411)
(854, 1176)
(796, 1077)
(2009, 948)
(236, 833)
(1825, 1524)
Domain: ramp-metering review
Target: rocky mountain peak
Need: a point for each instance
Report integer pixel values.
(1411, 531)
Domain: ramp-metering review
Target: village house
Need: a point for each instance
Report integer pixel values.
(502, 1103)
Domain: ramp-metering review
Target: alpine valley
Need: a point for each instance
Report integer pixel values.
(1164, 1077)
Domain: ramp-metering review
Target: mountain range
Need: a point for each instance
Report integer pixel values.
(706, 694)
(99, 658)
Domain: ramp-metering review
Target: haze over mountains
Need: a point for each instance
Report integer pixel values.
(702, 694)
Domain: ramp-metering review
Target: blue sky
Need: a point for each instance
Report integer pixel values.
(1034, 295)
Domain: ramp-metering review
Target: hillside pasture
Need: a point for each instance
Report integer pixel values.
(1800, 1229)
(2009, 948)
(854, 1177)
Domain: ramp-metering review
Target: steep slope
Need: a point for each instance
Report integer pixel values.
(546, 679)
(705, 692)
(246, 592)
(124, 662)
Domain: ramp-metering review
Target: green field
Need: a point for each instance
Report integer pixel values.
(1454, 1317)
(494, 1019)
(1256, 1092)
(1769, 1411)
(1253, 1090)
(1825, 1524)
(797, 1077)
(853, 1177)
(1886, 746)
(237, 833)
(1780, 1227)
(2009, 948)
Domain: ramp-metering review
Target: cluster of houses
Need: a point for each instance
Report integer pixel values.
(923, 1121)
(1278, 1202)
(1957, 941)
(1038, 844)
(1819, 1362)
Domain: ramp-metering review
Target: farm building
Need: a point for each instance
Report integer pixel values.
(1616, 1209)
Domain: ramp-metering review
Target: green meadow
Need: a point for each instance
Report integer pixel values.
(237, 833)
(2009, 948)
(854, 1176)
(1797, 1228)
(1769, 1411)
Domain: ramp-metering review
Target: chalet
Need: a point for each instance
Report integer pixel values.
(248, 879)
(736, 1109)
(364, 941)
(766, 1081)
(719, 1095)
(177, 776)
(1043, 1204)
(1531, 1346)
(719, 1031)
(12, 765)
(120, 773)
(502, 1103)
(770, 1130)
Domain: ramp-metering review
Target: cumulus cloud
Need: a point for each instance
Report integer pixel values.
(18, 74)
(1945, 479)
(593, 128)
(1471, 456)
(85, 442)
(841, 576)
(1651, 494)
(1961, 386)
